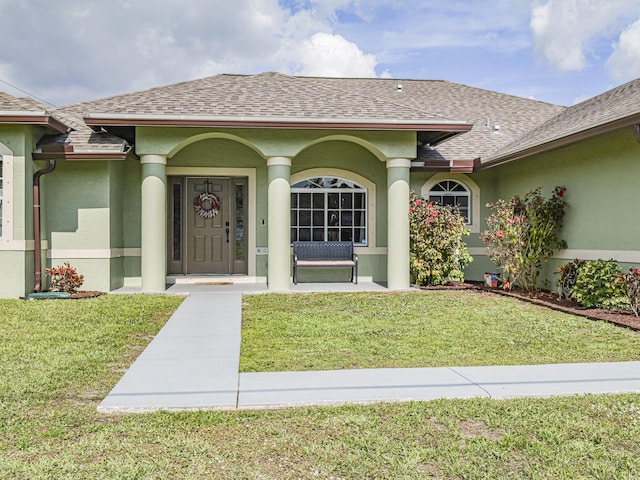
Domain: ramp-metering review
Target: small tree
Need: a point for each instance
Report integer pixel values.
(523, 233)
(437, 253)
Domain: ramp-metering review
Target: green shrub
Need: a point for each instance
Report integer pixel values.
(597, 286)
(437, 252)
(568, 274)
(64, 278)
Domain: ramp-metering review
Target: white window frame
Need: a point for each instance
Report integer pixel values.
(472, 187)
(369, 186)
(338, 212)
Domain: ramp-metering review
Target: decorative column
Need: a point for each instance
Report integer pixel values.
(154, 223)
(398, 277)
(279, 223)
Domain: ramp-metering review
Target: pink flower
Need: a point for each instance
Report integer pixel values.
(429, 205)
(417, 202)
(430, 220)
(500, 234)
(560, 192)
(434, 214)
(410, 210)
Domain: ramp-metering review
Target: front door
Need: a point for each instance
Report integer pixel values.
(207, 220)
(208, 226)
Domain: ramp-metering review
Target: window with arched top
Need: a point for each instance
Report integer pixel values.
(453, 194)
(328, 209)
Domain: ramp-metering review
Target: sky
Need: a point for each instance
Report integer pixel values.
(558, 51)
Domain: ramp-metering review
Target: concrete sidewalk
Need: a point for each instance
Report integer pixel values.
(193, 364)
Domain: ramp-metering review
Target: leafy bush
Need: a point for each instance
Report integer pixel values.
(437, 252)
(597, 285)
(64, 278)
(568, 275)
(631, 281)
(523, 232)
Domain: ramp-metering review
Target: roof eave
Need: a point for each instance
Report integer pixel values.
(34, 118)
(67, 152)
(563, 141)
(98, 122)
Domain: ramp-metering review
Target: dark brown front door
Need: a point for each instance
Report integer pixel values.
(208, 246)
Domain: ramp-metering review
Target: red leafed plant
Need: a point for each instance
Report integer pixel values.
(631, 281)
(64, 278)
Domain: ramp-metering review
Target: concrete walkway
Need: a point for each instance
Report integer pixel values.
(193, 364)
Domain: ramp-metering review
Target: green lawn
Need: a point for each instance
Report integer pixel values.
(283, 332)
(60, 358)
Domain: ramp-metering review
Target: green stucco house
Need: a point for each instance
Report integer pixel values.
(217, 176)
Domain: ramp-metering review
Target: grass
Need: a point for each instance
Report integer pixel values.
(283, 332)
(59, 359)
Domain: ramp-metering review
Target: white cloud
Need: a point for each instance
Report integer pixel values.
(567, 32)
(624, 62)
(327, 55)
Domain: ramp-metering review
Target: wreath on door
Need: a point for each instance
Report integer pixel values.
(206, 205)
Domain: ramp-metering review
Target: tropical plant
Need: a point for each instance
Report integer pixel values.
(64, 278)
(437, 253)
(631, 281)
(523, 233)
(568, 273)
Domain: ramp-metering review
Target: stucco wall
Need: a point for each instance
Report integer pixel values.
(83, 204)
(601, 176)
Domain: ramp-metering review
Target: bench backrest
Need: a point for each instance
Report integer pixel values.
(323, 250)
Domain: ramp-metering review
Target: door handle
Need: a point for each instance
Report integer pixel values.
(226, 229)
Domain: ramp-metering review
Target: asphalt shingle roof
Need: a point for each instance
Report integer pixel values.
(618, 103)
(522, 122)
(278, 96)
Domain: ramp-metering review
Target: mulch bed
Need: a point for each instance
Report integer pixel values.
(548, 299)
(86, 294)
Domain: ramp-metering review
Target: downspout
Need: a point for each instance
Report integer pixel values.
(37, 267)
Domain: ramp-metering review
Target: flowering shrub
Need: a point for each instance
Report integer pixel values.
(437, 253)
(64, 278)
(597, 286)
(523, 232)
(568, 275)
(631, 281)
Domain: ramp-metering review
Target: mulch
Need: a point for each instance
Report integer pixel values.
(85, 294)
(621, 318)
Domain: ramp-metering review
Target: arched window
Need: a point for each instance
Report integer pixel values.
(328, 209)
(453, 194)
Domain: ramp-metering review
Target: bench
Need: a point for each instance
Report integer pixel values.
(324, 254)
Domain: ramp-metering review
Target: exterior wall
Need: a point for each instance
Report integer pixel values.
(16, 244)
(601, 176)
(83, 206)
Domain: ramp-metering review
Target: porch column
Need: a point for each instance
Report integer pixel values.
(398, 277)
(279, 223)
(154, 223)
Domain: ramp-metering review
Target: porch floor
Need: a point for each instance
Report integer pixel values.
(193, 363)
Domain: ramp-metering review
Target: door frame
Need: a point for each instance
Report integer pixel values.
(251, 214)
